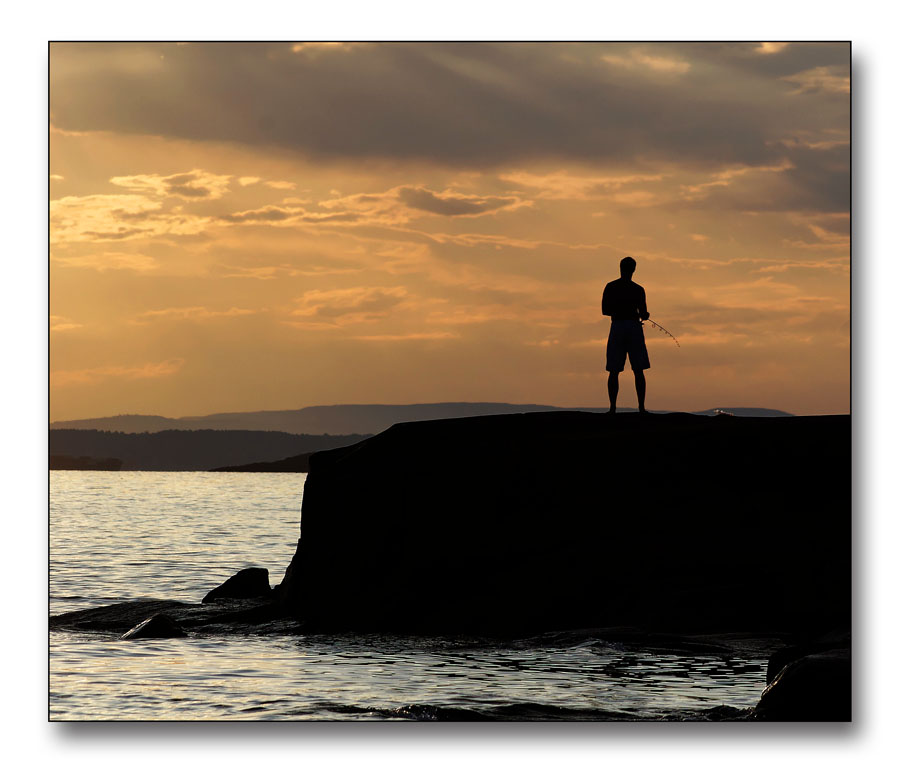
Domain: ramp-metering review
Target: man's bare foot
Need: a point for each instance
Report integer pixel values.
(611, 410)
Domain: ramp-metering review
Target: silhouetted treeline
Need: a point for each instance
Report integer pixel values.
(82, 463)
(188, 450)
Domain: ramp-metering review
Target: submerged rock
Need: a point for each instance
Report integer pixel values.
(239, 617)
(158, 626)
(251, 583)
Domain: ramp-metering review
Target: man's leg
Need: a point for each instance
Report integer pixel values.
(613, 386)
(640, 386)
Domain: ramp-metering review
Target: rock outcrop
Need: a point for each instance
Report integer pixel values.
(250, 583)
(558, 520)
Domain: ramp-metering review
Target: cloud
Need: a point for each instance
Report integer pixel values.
(287, 216)
(117, 217)
(457, 104)
(727, 176)
(267, 214)
(840, 265)
(354, 305)
(97, 217)
(415, 336)
(271, 272)
(61, 323)
(103, 373)
(248, 180)
(828, 79)
(563, 185)
(190, 313)
(196, 185)
(108, 261)
(57, 177)
(322, 47)
(770, 48)
(636, 59)
(454, 205)
(824, 232)
(392, 207)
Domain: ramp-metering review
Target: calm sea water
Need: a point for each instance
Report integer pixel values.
(117, 536)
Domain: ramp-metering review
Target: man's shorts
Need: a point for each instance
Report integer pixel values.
(626, 337)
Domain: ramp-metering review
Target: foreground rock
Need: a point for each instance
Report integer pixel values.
(157, 626)
(251, 583)
(559, 520)
(226, 617)
(815, 687)
(828, 642)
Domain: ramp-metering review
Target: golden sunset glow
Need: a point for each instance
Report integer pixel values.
(255, 226)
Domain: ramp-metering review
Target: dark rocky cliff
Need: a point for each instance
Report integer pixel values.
(560, 520)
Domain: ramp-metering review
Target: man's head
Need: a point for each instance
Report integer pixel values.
(626, 267)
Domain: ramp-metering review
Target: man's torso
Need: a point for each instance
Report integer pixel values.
(623, 300)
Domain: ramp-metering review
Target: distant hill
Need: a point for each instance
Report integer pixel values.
(753, 412)
(338, 419)
(179, 450)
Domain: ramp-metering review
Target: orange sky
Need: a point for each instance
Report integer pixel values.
(266, 226)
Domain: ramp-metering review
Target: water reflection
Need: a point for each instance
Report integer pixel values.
(169, 535)
(368, 678)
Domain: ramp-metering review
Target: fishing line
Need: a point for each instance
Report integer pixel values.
(663, 330)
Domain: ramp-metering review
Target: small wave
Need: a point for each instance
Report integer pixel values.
(522, 711)
(717, 713)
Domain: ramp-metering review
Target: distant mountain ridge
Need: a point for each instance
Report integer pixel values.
(339, 419)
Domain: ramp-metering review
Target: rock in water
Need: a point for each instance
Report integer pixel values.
(817, 687)
(250, 583)
(838, 639)
(158, 626)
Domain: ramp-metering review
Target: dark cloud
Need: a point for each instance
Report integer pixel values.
(122, 233)
(185, 178)
(145, 214)
(466, 104)
(266, 214)
(820, 178)
(377, 304)
(817, 182)
(337, 217)
(428, 201)
(188, 191)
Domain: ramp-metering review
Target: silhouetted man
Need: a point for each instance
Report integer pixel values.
(626, 303)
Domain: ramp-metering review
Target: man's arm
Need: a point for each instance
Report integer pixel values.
(642, 309)
(605, 307)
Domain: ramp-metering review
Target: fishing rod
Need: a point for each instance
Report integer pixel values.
(663, 330)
